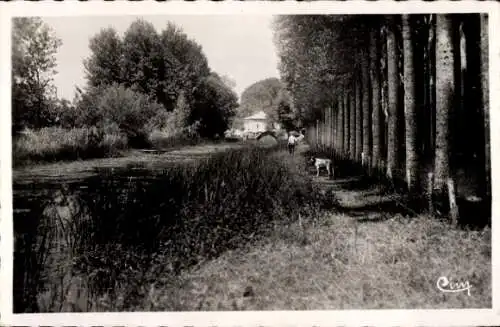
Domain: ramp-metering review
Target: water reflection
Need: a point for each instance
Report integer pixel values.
(53, 225)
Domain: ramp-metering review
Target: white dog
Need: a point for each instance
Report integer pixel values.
(323, 163)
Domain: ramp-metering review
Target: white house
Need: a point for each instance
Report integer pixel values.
(255, 123)
(258, 123)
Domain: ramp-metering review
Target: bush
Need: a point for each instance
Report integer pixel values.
(162, 140)
(171, 129)
(55, 143)
(120, 107)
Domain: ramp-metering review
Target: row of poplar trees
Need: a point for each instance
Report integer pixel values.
(404, 94)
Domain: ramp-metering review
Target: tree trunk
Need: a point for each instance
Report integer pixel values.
(410, 106)
(323, 129)
(365, 85)
(359, 120)
(427, 112)
(333, 129)
(445, 97)
(329, 127)
(316, 141)
(321, 132)
(340, 124)
(485, 102)
(393, 95)
(375, 83)
(352, 123)
(432, 84)
(384, 100)
(347, 129)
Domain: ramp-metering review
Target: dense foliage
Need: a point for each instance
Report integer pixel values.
(139, 84)
(318, 56)
(34, 46)
(169, 68)
(262, 95)
(389, 92)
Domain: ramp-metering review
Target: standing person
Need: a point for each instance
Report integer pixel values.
(291, 143)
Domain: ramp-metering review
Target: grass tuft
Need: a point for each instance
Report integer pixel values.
(54, 144)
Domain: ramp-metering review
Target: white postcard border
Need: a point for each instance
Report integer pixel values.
(461, 317)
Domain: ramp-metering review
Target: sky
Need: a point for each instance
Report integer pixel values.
(238, 46)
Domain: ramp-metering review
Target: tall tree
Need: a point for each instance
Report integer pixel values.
(359, 118)
(104, 66)
(375, 87)
(428, 113)
(352, 122)
(365, 86)
(485, 100)
(384, 99)
(34, 46)
(445, 96)
(393, 96)
(216, 105)
(287, 113)
(340, 124)
(332, 128)
(142, 57)
(183, 66)
(347, 115)
(410, 105)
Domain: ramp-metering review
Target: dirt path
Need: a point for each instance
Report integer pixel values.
(356, 198)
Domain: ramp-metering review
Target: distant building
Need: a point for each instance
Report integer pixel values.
(258, 123)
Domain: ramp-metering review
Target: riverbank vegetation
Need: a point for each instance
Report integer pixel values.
(145, 89)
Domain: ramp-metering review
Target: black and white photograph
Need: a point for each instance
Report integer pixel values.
(249, 162)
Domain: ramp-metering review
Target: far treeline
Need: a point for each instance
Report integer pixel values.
(139, 85)
(403, 94)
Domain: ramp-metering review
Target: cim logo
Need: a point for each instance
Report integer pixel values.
(449, 286)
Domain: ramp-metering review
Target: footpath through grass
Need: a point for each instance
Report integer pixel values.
(344, 258)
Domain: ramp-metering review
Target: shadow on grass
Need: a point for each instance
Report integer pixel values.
(383, 209)
(394, 199)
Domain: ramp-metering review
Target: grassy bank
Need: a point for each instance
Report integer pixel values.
(134, 227)
(336, 262)
(51, 144)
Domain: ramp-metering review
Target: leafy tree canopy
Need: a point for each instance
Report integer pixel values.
(262, 95)
(34, 46)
